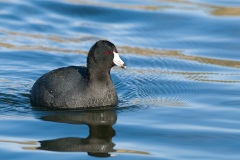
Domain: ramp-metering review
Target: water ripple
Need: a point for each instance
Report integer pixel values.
(178, 97)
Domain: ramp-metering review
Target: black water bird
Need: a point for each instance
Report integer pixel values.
(76, 87)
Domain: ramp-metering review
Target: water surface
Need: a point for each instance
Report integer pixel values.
(178, 97)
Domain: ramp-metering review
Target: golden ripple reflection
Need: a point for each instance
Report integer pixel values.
(212, 9)
(123, 49)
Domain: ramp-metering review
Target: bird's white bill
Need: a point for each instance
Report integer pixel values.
(117, 60)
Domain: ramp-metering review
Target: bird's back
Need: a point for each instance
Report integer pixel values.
(69, 87)
(56, 88)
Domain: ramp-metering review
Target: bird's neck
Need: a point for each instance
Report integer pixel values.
(99, 75)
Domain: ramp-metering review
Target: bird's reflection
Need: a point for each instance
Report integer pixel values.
(98, 143)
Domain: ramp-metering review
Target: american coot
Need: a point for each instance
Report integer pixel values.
(80, 87)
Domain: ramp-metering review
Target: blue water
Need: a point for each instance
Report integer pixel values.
(178, 97)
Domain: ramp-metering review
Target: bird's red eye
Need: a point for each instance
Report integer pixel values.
(107, 52)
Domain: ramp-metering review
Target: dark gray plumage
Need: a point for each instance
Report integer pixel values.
(80, 87)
